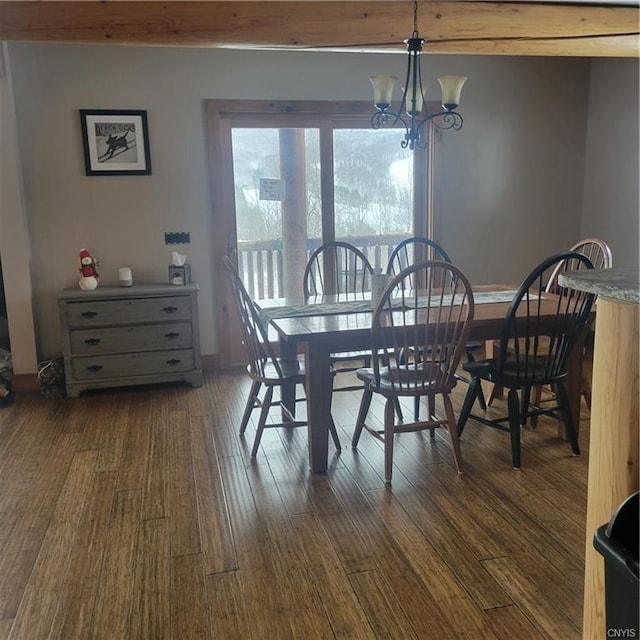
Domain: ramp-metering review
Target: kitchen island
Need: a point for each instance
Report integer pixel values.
(613, 443)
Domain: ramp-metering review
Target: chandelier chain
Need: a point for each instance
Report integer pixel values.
(415, 19)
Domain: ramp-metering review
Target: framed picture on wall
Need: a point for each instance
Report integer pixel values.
(115, 142)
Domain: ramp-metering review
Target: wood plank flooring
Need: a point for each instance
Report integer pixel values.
(138, 514)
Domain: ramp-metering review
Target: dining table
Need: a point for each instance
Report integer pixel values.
(320, 326)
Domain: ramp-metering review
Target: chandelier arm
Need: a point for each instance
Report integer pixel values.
(387, 118)
(444, 120)
(411, 138)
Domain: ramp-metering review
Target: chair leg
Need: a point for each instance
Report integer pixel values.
(563, 403)
(251, 404)
(481, 400)
(513, 402)
(334, 434)
(264, 413)
(389, 431)
(396, 404)
(469, 399)
(396, 401)
(453, 433)
(536, 400)
(431, 407)
(496, 392)
(525, 398)
(365, 403)
(586, 388)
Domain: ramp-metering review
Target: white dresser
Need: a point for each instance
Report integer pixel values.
(122, 336)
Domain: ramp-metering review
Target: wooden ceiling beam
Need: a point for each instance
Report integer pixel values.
(469, 27)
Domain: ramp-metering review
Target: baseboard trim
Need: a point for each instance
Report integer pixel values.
(210, 363)
(24, 382)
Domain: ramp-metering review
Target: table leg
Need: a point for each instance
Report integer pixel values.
(288, 351)
(318, 390)
(490, 390)
(573, 385)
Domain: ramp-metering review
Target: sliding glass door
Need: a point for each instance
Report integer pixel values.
(373, 191)
(285, 182)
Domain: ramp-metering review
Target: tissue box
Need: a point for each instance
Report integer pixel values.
(179, 275)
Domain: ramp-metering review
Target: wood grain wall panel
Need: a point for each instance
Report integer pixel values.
(451, 27)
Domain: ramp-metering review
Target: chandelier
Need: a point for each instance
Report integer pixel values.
(413, 112)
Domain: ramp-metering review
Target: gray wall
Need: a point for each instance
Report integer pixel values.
(610, 208)
(509, 193)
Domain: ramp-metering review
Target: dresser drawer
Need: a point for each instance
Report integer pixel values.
(127, 311)
(132, 364)
(155, 337)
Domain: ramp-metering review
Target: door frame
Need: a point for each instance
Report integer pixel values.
(221, 116)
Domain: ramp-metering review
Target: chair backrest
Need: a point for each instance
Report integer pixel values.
(534, 347)
(337, 267)
(254, 333)
(596, 250)
(431, 325)
(412, 250)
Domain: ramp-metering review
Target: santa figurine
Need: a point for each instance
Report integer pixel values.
(88, 272)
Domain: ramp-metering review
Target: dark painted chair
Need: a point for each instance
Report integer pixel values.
(533, 351)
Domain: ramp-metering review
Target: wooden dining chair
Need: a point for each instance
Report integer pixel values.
(339, 268)
(265, 369)
(533, 351)
(599, 253)
(601, 257)
(412, 250)
(418, 249)
(335, 268)
(407, 322)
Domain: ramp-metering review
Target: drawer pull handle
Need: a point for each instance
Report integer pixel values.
(89, 314)
(170, 309)
(173, 362)
(94, 368)
(172, 335)
(92, 341)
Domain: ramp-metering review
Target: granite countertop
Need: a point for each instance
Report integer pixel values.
(617, 284)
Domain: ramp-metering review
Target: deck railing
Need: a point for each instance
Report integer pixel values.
(260, 262)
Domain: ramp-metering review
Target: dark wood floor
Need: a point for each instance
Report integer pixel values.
(138, 514)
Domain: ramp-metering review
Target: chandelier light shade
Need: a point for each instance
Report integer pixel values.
(413, 113)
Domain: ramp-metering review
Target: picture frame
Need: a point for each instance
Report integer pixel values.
(115, 142)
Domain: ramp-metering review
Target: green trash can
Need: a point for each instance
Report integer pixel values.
(617, 542)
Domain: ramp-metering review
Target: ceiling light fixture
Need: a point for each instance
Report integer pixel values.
(413, 112)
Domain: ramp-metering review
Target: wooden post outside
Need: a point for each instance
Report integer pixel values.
(294, 209)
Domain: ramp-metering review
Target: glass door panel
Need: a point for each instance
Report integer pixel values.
(278, 206)
(373, 195)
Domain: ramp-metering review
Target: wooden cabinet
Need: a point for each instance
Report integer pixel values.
(122, 336)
